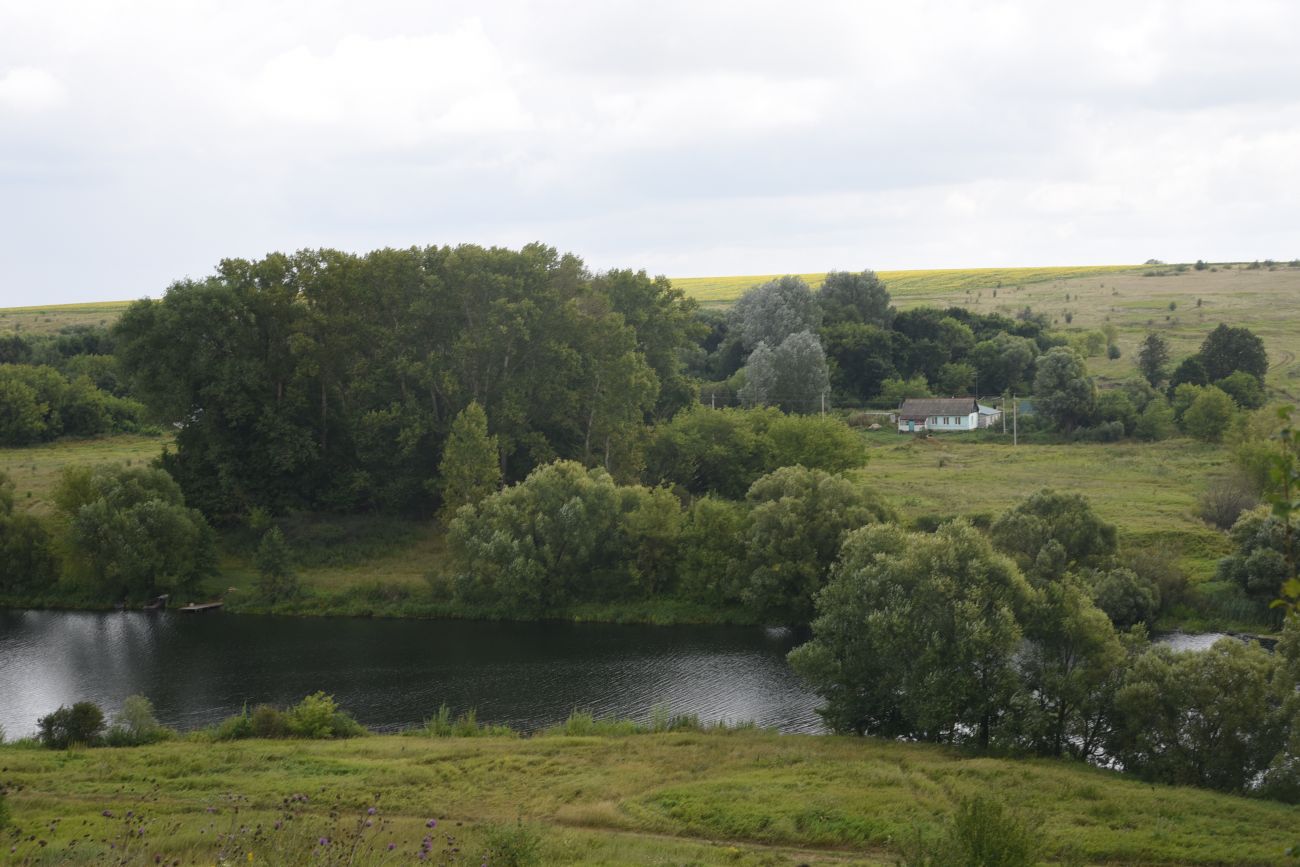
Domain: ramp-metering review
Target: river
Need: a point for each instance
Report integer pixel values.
(199, 669)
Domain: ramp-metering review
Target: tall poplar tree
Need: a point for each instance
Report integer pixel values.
(471, 467)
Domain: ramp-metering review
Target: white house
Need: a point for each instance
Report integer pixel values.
(941, 414)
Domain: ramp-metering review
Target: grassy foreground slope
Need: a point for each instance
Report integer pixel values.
(742, 798)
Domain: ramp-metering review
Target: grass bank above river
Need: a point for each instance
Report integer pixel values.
(373, 565)
(746, 797)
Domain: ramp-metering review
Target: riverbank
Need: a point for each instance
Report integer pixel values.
(748, 797)
(389, 566)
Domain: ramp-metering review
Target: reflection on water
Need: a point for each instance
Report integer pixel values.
(198, 669)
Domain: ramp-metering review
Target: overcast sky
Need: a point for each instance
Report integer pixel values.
(141, 142)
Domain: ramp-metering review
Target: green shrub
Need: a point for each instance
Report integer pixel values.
(1126, 597)
(981, 833)
(83, 723)
(516, 845)
(268, 722)
(235, 728)
(1224, 501)
(318, 717)
(4, 811)
(135, 724)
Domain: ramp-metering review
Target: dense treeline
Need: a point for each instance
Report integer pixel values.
(325, 380)
(942, 637)
(117, 533)
(568, 534)
(784, 344)
(65, 384)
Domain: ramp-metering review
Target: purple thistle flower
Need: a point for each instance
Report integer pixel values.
(324, 841)
(108, 814)
(371, 811)
(432, 823)
(392, 846)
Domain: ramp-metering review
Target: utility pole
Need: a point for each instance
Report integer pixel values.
(823, 403)
(713, 400)
(1004, 412)
(1015, 420)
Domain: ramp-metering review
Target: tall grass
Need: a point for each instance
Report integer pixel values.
(466, 725)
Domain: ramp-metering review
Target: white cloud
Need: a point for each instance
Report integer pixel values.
(399, 90)
(28, 89)
(687, 137)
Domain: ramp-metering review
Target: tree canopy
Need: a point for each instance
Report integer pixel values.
(792, 375)
(772, 311)
(845, 296)
(328, 380)
(1228, 349)
(916, 634)
(128, 533)
(1063, 390)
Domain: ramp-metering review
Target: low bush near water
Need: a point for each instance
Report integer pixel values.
(441, 725)
(83, 723)
(316, 717)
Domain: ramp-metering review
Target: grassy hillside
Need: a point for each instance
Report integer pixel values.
(1135, 299)
(738, 798)
(52, 318)
(909, 286)
(35, 469)
(1150, 490)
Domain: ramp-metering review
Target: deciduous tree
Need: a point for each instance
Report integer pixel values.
(916, 635)
(470, 468)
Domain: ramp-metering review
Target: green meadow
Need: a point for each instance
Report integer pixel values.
(1149, 490)
(35, 469)
(748, 797)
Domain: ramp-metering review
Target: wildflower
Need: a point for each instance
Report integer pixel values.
(392, 846)
(371, 811)
(108, 814)
(250, 856)
(432, 823)
(324, 841)
(369, 822)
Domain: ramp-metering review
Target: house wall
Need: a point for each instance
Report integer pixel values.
(943, 423)
(952, 422)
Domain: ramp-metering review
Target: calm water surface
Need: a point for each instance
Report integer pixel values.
(198, 669)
